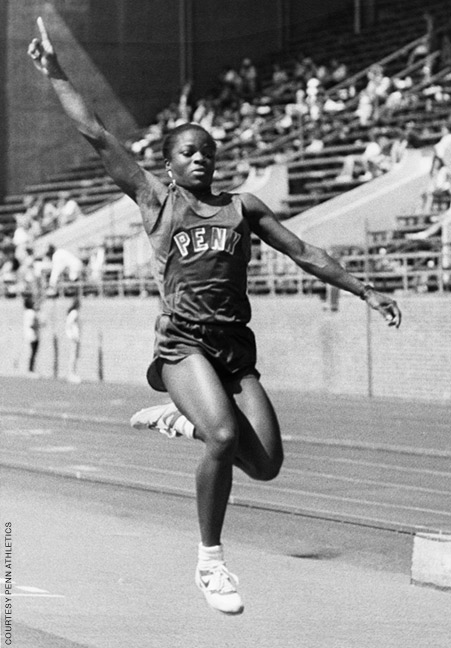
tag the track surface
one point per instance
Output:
(104, 530)
(375, 463)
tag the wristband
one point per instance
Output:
(366, 289)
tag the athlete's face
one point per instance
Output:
(192, 161)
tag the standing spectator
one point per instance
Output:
(22, 238)
(31, 331)
(73, 334)
(279, 81)
(249, 76)
(440, 173)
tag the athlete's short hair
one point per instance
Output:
(170, 139)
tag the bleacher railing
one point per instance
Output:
(274, 274)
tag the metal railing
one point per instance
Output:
(275, 274)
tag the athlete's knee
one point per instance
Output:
(222, 440)
(268, 473)
(269, 470)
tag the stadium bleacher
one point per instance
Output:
(312, 176)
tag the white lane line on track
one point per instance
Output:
(300, 471)
(316, 513)
(343, 443)
(369, 464)
(53, 449)
(28, 591)
(340, 498)
(16, 595)
(177, 473)
(30, 432)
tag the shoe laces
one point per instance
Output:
(221, 580)
(166, 424)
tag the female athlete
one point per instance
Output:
(204, 353)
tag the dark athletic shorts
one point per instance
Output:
(230, 348)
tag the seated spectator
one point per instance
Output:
(338, 71)
(63, 261)
(333, 105)
(49, 217)
(68, 209)
(380, 155)
(364, 111)
(313, 98)
(304, 68)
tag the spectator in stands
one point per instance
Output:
(380, 155)
(96, 264)
(249, 78)
(49, 217)
(377, 88)
(184, 107)
(338, 72)
(304, 69)
(397, 97)
(68, 209)
(22, 237)
(73, 334)
(30, 278)
(425, 49)
(440, 172)
(8, 272)
(313, 98)
(279, 81)
(63, 261)
(31, 332)
(205, 353)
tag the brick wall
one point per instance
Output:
(301, 346)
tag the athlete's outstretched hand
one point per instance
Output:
(43, 53)
(386, 306)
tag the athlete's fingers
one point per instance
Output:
(34, 49)
(44, 35)
(392, 314)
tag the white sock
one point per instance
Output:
(183, 426)
(209, 556)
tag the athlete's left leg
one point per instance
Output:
(260, 451)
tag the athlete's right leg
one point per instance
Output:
(198, 394)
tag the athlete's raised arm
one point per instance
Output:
(119, 164)
(314, 260)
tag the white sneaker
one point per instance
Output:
(164, 418)
(218, 585)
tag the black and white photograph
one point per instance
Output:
(225, 314)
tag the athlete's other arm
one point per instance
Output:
(312, 259)
(119, 164)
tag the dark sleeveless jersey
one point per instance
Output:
(200, 262)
